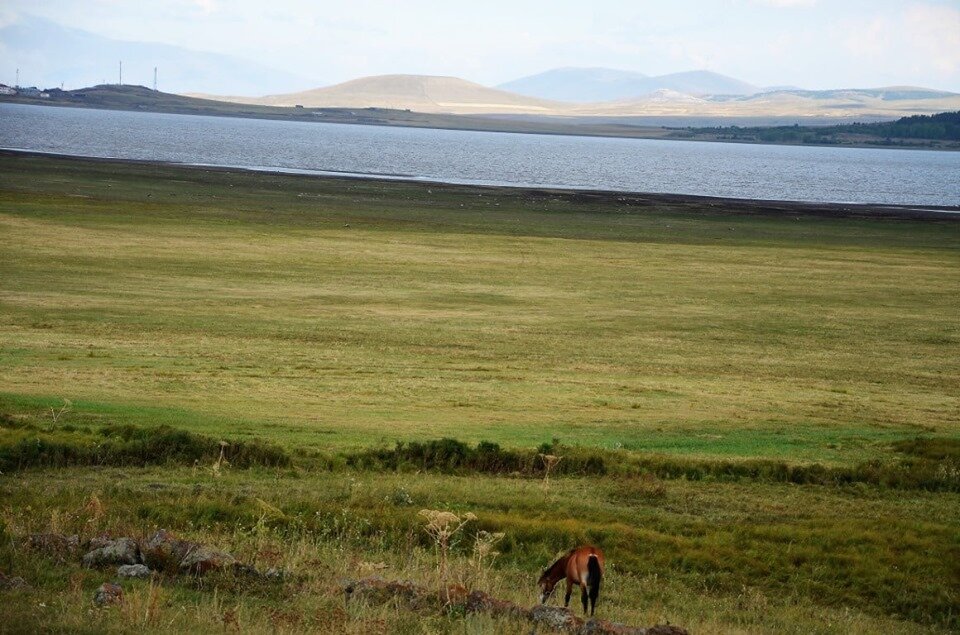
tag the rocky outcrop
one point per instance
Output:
(416, 597)
(161, 552)
(204, 559)
(164, 552)
(122, 551)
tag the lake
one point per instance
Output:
(797, 173)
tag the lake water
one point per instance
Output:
(854, 175)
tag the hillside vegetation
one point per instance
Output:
(942, 127)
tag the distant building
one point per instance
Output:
(31, 91)
(7, 90)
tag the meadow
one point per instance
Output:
(759, 413)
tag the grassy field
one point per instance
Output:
(331, 316)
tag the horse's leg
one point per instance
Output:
(566, 598)
(594, 594)
(583, 597)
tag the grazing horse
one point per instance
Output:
(582, 566)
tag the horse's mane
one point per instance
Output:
(559, 564)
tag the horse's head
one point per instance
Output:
(547, 583)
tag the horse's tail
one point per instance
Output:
(594, 575)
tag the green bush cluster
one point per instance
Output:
(127, 445)
(924, 463)
(911, 473)
(940, 127)
(932, 464)
(452, 456)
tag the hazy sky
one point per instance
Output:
(810, 43)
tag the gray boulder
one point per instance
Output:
(204, 559)
(134, 571)
(164, 552)
(114, 552)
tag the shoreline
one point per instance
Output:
(877, 211)
(392, 118)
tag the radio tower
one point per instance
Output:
(154, 79)
(121, 72)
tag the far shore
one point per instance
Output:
(140, 99)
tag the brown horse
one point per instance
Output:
(583, 567)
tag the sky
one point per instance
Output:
(815, 44)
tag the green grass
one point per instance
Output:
(713, 556)
(333, 318)
(245, 303)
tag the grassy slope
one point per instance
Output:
(714, 557)
(335, 314)
(344, 313)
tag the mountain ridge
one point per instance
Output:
(596, 84)
(451, 95)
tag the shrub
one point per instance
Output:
(132, 445)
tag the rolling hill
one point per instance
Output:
(421, 93)
(451, 95)
(579, 84)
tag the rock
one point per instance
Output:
(114, 552)
(163, 552)
(59, 546)
(205, 559)
(107, 594)
(134, 571)
(10, 582)
(98, 541)
(603, 627)
(555, 618)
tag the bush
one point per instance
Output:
(452, 456)
(122, 445)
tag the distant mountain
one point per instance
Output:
(580, 84)
(703, 83)
(48, 54)
(422, 93)
(888, 93)
(451, 95)
(585, 85)
(869, 103)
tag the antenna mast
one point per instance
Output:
(121, 72)
(154, 79)
(17, 84)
